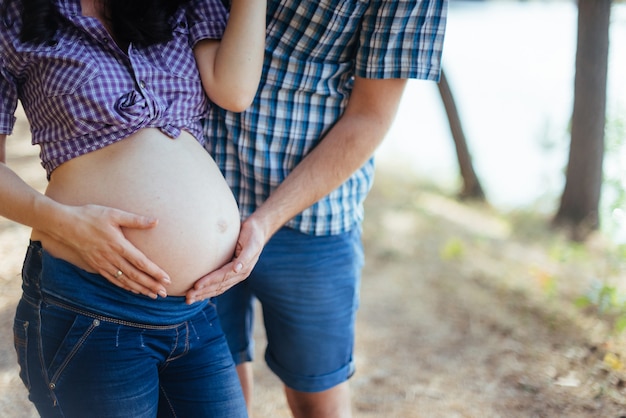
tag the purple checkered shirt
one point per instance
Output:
(81, 92)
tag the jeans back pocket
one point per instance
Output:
(20, 342)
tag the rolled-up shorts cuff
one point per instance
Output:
(244, 356)
(312, 383)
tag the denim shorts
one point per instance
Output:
(77, 362)
(308, 288)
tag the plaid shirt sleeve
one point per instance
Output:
(206, 19)
(402, 39)
(8, 100)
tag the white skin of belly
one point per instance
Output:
(176, 181)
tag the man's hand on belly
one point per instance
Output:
(249, 246)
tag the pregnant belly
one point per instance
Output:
(175, 181)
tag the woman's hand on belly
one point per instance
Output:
(94, 234)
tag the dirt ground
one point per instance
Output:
(464, 313)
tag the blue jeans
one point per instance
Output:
(308, 288)
(80, 363)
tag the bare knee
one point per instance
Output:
(244, 371)
(332, 403)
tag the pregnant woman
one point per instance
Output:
(114, 91)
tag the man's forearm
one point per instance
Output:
(345, 148)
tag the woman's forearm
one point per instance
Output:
(231, 68)
(94, 232)
(23, 204)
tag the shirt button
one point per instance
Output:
(142, 84)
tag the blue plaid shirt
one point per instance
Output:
(314, 50)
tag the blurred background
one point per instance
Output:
(511, 67)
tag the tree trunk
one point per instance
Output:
(580, 200)
(471, 185)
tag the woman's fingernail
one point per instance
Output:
(163, 293)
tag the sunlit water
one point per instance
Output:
(511, 69)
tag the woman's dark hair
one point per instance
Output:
(40, 20)
(142, 22)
